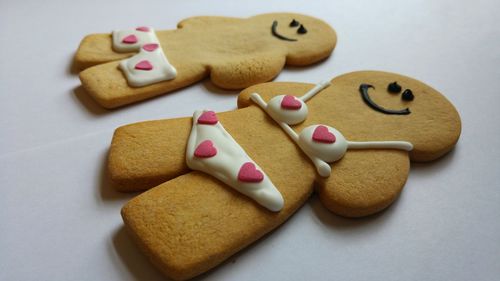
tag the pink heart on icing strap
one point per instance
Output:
(131, 39)
(205, 149)
(321, 134)
(249, 173)
(150, 47)
(208, 118)
(290, 102)
(144, 65)
(143, 28)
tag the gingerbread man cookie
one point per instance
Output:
(132, 65)
(225, 180)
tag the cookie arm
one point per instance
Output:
(364, 182)
(203, 21)
(241, 72)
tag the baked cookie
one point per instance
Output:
(223, 181)
(132, 65)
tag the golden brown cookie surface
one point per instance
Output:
(235, 53)
(192, 223)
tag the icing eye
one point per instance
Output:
(302, 29)
(294, 23)
(394, 87)
(407, 95)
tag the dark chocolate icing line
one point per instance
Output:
(276, 34)
(363, 89)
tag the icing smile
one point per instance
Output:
(363, 89)
(293, 23)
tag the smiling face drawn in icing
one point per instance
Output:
(300, 35)
(392, 88)
(294, 23)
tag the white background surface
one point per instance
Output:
(59, 220)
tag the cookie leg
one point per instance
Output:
(194, 222)
(96, 49)
(108, 86)
(145, 154)
(364, 182)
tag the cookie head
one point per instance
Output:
(305, 38)
(389, 106)
(293, 24)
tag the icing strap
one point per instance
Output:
(150, 65)
(321, 143)
(212, 150)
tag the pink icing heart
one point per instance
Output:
(321, 134)
(150, 47)
(248, 173)
(131, 39)
(205, 149)
(289, 102)
(144, 65)
(143, 28)
(208, 118)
